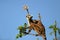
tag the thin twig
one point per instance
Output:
(39, 16)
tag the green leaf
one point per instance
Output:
(20, 27)
(55, 29)
(21, 35)
(51, 26)
(17, 36)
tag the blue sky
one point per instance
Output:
(12, 15)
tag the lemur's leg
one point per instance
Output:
(44, 36)
(41, 34)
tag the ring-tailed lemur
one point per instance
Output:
(37, 26)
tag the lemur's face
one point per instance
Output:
(29, 17)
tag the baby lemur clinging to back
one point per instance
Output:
(36, 25)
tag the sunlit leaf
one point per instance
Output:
(22, 30)
(55, 29)
(21, 35)
(20, 27)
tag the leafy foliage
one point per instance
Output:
(22, 30)
(55, 29)
(19, 35)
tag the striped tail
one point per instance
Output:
(44, 37)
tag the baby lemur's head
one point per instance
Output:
(28, 16)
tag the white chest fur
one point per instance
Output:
(28, 22)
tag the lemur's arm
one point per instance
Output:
(29, 30)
